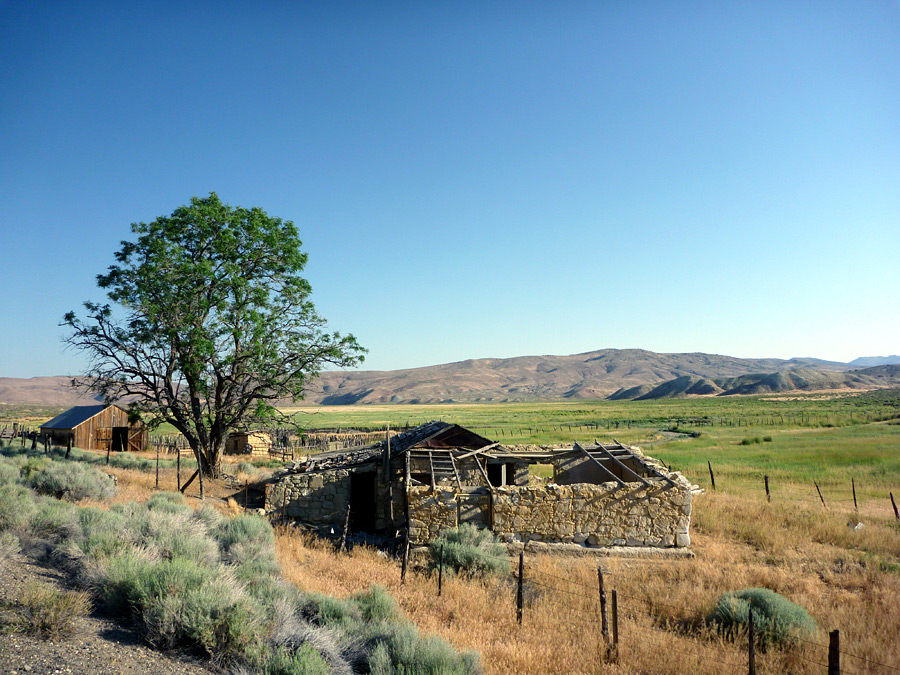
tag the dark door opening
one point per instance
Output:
(496, 474)
(119, 439)
(363, 507)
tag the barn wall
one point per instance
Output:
(91, 434)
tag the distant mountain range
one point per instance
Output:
(869, 361)
(612, 373)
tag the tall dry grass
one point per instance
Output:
(847, 579)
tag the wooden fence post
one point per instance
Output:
(751, 655)
(68, 445)
(768, 494)
(604, 618)
(157, 467)
(853, 485)
(712, 478)
(820, 495)
(615, 625)
(894, 504)
(405, 560)
(520, 593)
(177, 465)
(834, 652)
(441, 571)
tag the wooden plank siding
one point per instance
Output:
(96, 433)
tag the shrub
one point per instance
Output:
(405, 651)
(48, 612)
(55, 520)
(767, 439)
(73, 482)
(304, 660)
(9, 545)
(775, 617)
(9, 472)
(470, 550)
(16, 507)
(214, 616)
(376, 604)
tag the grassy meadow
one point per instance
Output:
(841, 564)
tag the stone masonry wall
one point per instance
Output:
(430, 513)
(318, 498)
(582, 514)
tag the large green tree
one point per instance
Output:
(209, 323)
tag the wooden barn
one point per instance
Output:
(96, 427)
(248, 443)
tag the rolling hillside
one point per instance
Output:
(799, 379)
(618, 373)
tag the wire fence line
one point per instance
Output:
(632, 614)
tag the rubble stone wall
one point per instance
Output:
(584, 514)
(590, 515)
(317, 498)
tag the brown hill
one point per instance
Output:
(48, 391)
(591, 375)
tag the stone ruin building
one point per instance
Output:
(439, 475)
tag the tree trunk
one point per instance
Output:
(212, 460)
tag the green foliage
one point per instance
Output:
(72, 481)
(376, 604)
(470, 550)
(9, 545)
(17, 506)
(215, 290)
(304, 660)
(775, 618)
(9, 472)
(400, 650)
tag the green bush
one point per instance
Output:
(9, 545)
(17, 506)
(9, 472)
(775, 617)
(55, 520)
(72, 481)
(215, 616)
(767, 439)
(400, 649)
(376, 604)
(304, 660)
(469, 550)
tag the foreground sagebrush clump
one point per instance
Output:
(200, 581)
(469, 550)
(775, 618)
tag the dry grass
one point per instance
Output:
(847, 579)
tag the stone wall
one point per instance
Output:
(317, 498)
(430, 513)
(590, 515)
(584, 514)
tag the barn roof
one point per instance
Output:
(74, 416)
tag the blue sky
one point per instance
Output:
(475, 179)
